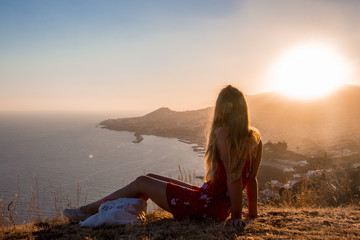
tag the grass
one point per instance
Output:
(12, 209)
(274, 223)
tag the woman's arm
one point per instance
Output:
(235, 193)
(234, 188)
(252, 184)
(252, 194)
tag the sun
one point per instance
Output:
(309, 71)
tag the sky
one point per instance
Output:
(139, 55)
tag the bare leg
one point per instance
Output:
(167, 179)
(143, 187)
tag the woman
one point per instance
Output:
(232, 160)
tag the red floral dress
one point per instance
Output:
(210, 200)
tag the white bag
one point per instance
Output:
(117, 212)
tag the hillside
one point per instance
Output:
(306, 126)
(309, 125)
(188, 125)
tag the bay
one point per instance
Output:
(48, 160)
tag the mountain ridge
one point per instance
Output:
(303, 124)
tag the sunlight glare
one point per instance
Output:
(309, 71)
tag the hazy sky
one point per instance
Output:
(86, 55)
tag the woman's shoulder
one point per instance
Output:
(254, 135)
(254, 139)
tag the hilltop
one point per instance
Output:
(273, 223)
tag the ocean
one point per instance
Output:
(49, 160)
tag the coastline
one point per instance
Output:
(196, 145)
(138, 138)
(188, 127)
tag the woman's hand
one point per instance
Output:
(237, 222)
(247, 215)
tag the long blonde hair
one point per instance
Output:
(231, 111)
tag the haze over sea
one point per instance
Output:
(68, 150)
